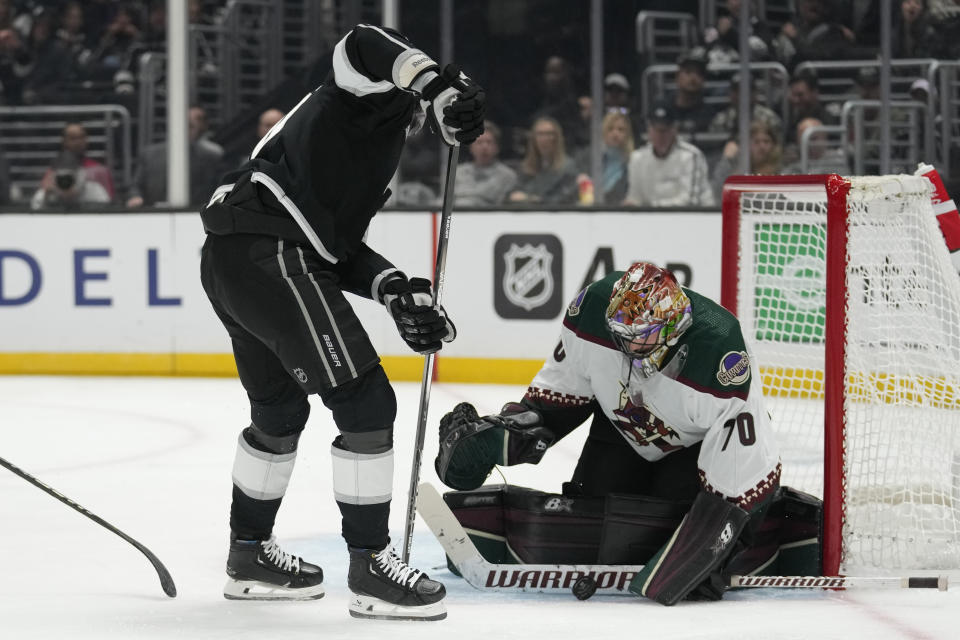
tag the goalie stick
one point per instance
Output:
(544, 578)
(609, 579)
(166, 580)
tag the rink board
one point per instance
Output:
(120, 293)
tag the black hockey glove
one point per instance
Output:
(410, 303)
(470, 445)
(454, 105)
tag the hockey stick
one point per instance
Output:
(480, 574)
(438, 282)
(609, 579)
(839, 582)
(166, 581)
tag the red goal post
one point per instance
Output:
(829, 275)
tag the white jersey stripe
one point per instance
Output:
(333, 321)
(291, 207)
(306, 314)
(349, 79)
(375, 287)
(275, 129)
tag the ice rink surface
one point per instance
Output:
(153, 457)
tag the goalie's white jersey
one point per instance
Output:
(707, 389)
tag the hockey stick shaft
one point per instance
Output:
(166, 581)
(840, 582)
(427, 381)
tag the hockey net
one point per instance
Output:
(846, 292)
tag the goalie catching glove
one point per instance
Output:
(470, 445)
(454, 105)
(423, 326)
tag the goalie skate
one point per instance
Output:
(386, 588)
(260, 570)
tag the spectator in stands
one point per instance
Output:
(913, 33)
(15, 64)
(155, 34)
(803, 96)
(821, 156)
(67, 185)
(692, 113)
(236, 159)
(559, 101)
(616, 93)
(119, 42)
(728, 120)
(547, 174)
(51, 64)
(74, 141)
(766, 151)
(945, 17)
(722, 40)
(71, 34)
(617, 146)
(486, 181)
(150, 181)
(667, 171)
(813, 34)
(419, 171)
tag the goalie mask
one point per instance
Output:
(648, 312)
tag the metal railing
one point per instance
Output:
(943, 113)
(33, 137)
(234, 62)
(659, 80)
(823, 149)
(775, 12)
(663, 35)
(837, 79)
(861, 120)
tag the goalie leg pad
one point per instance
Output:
(698, 549)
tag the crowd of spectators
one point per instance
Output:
(677, 153)
(688, 142)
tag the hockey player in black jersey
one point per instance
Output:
(284, 242)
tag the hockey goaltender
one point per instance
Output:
(680, 471)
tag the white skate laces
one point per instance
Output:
(396, 569)
(279, 557)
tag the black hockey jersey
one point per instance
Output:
(328, 162)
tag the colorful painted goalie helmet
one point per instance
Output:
(647, 310)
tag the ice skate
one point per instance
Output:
(385, 588)
(261, 570)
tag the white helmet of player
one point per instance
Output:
(648, 312)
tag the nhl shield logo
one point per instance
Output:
(528, 276)
(527, 279)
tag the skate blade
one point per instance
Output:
(376, 609)
(254, 590)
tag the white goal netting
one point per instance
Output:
(901, 355)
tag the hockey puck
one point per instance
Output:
(584, 587)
